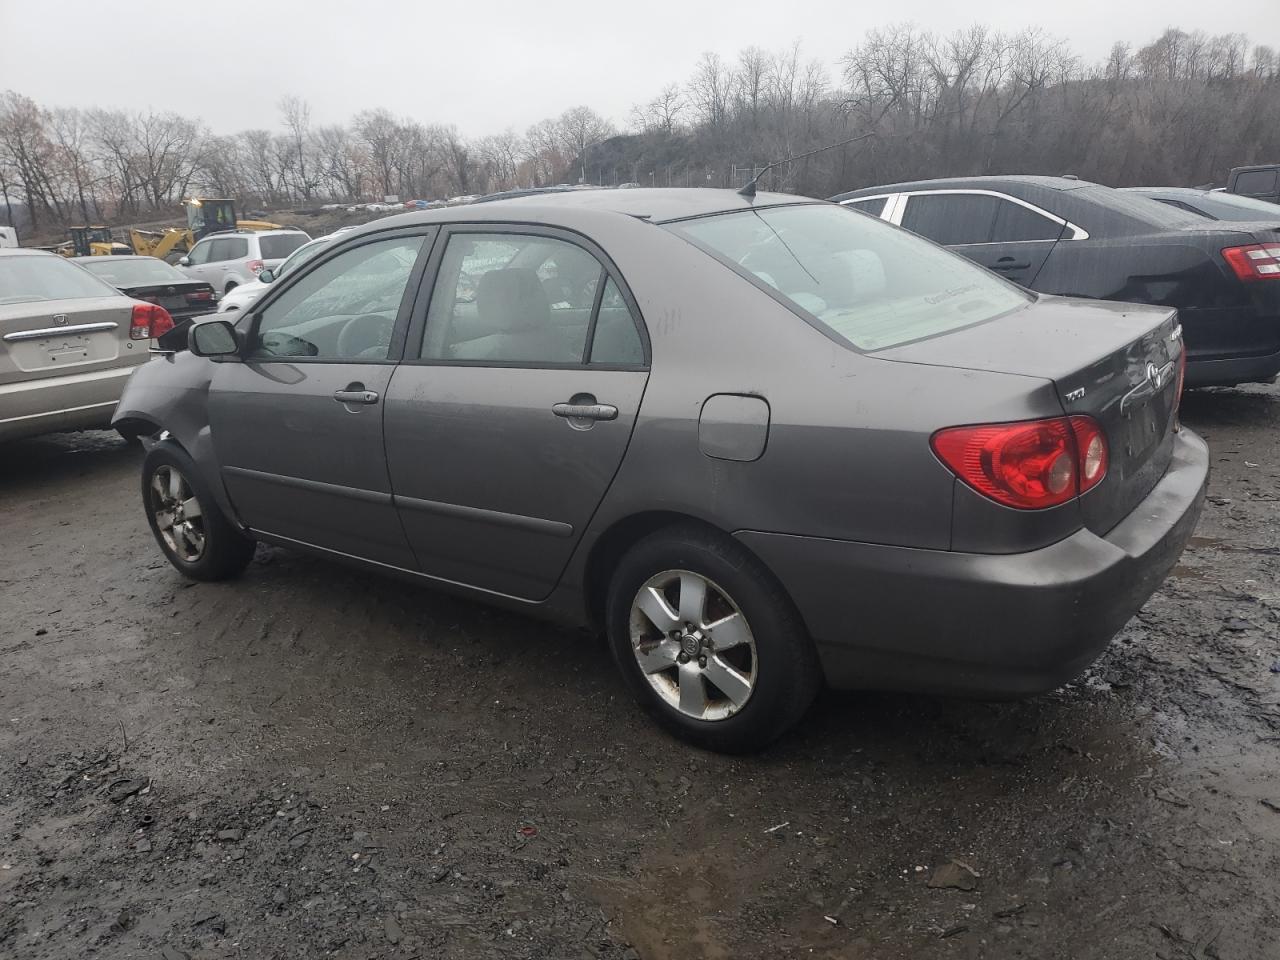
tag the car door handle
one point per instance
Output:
(355, 396)
(1008, 263)
(585, 411)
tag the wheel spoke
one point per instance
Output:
(158, 486)
(164, 519)
(175, 485)
(693, 598)
(693, 693)
(658, 656)
(728, 680)
(191, 508)
(654, 606)
(729, 632)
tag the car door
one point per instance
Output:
(511, 413)
(1000, 232)
(197, 261)
(297, 423)
(226, 257)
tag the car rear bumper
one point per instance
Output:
(73, 401)
(985, 624)
(1228, 372)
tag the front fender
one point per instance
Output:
(170, 394)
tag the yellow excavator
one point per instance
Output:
(90, 241)
(204, 216)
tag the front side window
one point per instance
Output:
(200, 252)
(344, 309)
(868, 283)
(873, 207)
(511, 298)
(1018, 224)
(951, 219)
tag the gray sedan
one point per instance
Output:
(760, 443)
(68, 342)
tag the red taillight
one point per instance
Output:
(1031, 464)
(200, 295)
(1258, 261)
(149, 321)
(255, 266)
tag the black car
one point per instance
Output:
(1212, 204)
(153, 280)
(1059, 235)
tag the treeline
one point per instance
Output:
(1180, 110)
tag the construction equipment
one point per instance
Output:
(92, 241)
(204, 216)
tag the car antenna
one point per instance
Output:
(749, 191)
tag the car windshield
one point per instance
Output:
(277, 246)
(26, 279)
(871, 284)
(135, 273)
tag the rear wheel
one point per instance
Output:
(186, 521)
(708, 641)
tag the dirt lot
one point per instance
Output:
(313, 762)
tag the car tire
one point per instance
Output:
(203, 546)
(749, 664)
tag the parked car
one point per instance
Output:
(68, 342)
(226, 260)
(1261, 181)
(1213, 204)
(247, 293)
(760, 442)
(1064, 236)
(153, 280)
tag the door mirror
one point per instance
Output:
(184, 261)
(265, 275)
(213, 338)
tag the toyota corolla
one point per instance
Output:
(761, 443)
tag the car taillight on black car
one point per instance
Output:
(149, 320)
(1030, 464)
(199, 296)
(1257, 261)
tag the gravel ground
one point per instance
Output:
(314, 762)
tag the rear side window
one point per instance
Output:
(869, 284)
(27, 279)
(519, 299)
(951, 218)
(873, 207)
(228, 248)
(616, 340)
(1016, 223)
(1256, 182)
(277, 246)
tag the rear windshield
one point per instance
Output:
(1227, 206)
(135, 273)
(26, 279)
(1138, 207)
(872, 285)
(277, 246)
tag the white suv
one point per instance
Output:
(229, 259)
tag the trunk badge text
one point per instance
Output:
(1073, 395)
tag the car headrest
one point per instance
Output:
(512, 300)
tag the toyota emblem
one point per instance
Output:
(1153, 376)
(59, 319)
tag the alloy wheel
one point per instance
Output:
(178, 514)
(693, 644)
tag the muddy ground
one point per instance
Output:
(314, 762)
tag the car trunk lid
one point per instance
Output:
(50, 338)
(179, 299)
(1115, 362)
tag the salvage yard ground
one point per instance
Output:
(314, 762)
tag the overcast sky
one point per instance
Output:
(483, 65)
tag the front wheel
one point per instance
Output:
(709, 642)
(186, 521)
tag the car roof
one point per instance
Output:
(579, 208)
(972, 183)
(118, 256)
(1171, 191)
